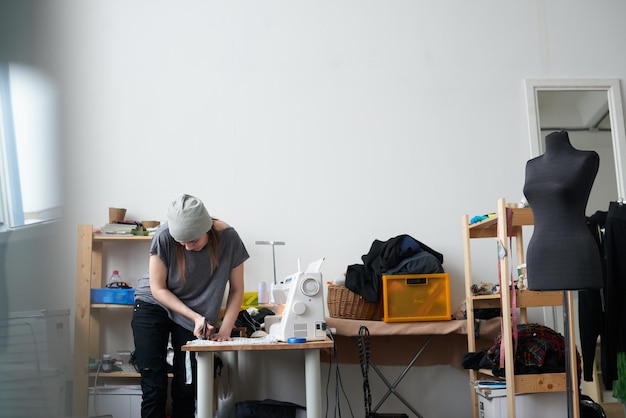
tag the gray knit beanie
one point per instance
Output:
(188, 219)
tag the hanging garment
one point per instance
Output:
(590, 305)
(619, 386)
(614, 337)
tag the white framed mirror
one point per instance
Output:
(591, 111)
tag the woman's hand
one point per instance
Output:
(202, 329)
(222, 335)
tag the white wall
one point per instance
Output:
(323, 124)
(326, 125)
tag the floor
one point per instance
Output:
(614, 410)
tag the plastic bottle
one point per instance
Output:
(107, 363)
(115, 280)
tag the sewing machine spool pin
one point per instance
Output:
(273, 244)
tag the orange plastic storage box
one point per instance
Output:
(416, 297)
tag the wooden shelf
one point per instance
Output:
(524, 299)
(90, 318)
(488, 228)
(496, 226)
(118, 237)
(113, 375)
(119, 375)
(538, 383)
(531, 383)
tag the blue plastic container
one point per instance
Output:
(113, 296)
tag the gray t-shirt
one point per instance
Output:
(201, 291)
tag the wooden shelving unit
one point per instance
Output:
(91, 251)
(498, 227)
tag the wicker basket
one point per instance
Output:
(343, 303)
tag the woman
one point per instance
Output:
(192, 259)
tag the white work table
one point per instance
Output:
(206, 351)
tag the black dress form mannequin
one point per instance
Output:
(562, 253)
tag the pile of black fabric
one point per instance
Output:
(399, 255)
(540, 349)
(253, 322)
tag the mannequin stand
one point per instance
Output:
(571, 365)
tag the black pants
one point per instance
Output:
(614, 338)
(152, 329)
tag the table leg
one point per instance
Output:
(313, 383)
(227, 383)
(205, 384)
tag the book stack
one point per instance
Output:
(490, 388)
(118, 229)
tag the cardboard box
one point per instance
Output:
(416, 297)
(492, 404)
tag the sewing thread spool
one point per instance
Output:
(107, 363)
(263, 294)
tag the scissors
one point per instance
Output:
(204, 328)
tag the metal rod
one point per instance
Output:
(274, 263)
(273, 244)
(568, 368)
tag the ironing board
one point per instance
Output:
(424, 335)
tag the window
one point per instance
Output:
(29, 149)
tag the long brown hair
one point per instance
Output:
(215, 238)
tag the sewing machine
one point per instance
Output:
(302, 318)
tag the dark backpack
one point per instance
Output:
(590, 409)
